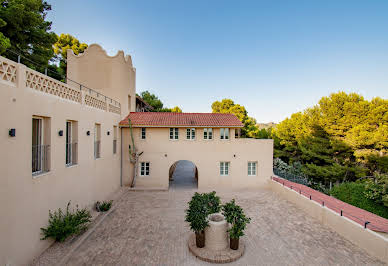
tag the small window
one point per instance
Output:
(40, 145)
(224, 168)
(190, 133)
(252, 168)
(143, 133)
(114, 139)
(224, 133)
(174, 133)
(71, 143)
(144, 168)
(207, 133)
(97, 142)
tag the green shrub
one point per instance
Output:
(354, 194)
(200, 206)
(62, 225)
(235, 215)
(196, 213)
(212, 201)
(103, 206)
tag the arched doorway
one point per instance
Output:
(183, 174)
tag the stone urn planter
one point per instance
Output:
(216, 232)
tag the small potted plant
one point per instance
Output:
(235, 216)
(212, 202)
(196, 216)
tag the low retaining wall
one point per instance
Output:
(372, 242)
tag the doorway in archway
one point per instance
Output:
(183, 174)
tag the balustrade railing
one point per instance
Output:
(70, 89)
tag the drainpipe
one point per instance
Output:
(121, 157)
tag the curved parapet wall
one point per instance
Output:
(96, 47)
(113, 76)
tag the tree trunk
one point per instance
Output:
(234, 242)
(200, 239)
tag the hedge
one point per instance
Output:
(353, 193)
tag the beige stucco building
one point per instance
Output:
(64, 142)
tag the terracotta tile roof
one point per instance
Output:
(161, 119)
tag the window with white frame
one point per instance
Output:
(190, 133)
(224, 133)
(207, 133)
(144, 169)
(143, 133)
(252, 166)
(174, 133)
(97, 141)
(40, 145)
(71, 143)
(224, 168)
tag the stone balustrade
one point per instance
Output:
(13, 73)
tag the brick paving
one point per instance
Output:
(360, 216)
(148, 228)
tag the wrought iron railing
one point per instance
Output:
(97, 149)
(292, 177)
(114, 146)
(40, 159)
(71, 153)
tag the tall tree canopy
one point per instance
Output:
(64, 43)
(342, 138)
(157, 104)
(227, 106)
(23, 23)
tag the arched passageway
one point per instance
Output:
(183, 174)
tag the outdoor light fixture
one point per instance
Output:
(165, 155)
(88, 133)
(60, 133)
(12, 132)
(234, 155)
(108, 133)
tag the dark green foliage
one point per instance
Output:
(196, 213)
(26, 28)
(62, 225)
(212, 201)
(103, 206)
(354, 194)
(200, 206)
(235, 215)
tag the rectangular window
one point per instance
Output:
(40, 145)
(224, 168)
(190, 133)
(143, 133)
(71, 143)
(252, 168)
(224, 133)
(207, 133)
(144, 168)
(114, 139)
(174, 133)
(97, 141)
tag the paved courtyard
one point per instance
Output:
(148, 228)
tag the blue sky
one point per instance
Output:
(273, 57)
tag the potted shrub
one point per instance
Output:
(235, 216)
(196, 216)
(212, 202)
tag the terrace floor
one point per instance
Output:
(148, 228)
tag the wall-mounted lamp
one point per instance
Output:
(234, 155)
(12, 132)
(88, 133)
(60, 133)
(108, 133)
(165, 155)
